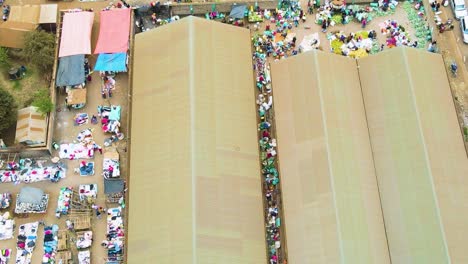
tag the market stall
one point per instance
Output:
(33, 174)
(110, 118)
(76, 31)
(84, 257)
(114, 31)
(5, 200)
(114, 190)
(88, 192)
(116, 62)
(354, 45)
(71, 71)
(8, 176)
(76, 96)
(309, 42)
(76, 151)
(50, 244)
(115, 235)
(27, 235)
(50, 173)
(81, 119)
(84, 239)
(86, 168)
(5, 255)
(396, 34)
(84, 149)
(31, 200)
(64, 201)
(111, 164)
(7, 226)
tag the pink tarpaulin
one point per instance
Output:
(76, 33)
(114, 31)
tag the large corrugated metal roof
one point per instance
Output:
(419, 155)
(194, 144)
(336, 120)
(330, 194)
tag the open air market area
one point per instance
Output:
(252, 131)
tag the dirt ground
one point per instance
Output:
(65, 132)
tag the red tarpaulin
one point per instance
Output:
(76, 33)
(114, 31)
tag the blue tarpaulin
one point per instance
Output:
(116, 62)
(238, 11)
(70, 70)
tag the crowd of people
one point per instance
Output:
(355, 45)
(272, 43)
(397, 34)
(277, 43)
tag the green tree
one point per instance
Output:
(39, 49)
(7, 109)
(4, 58)
(43, 102)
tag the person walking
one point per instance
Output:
(324, 26)
(310, 8)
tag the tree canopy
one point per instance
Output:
(42, 101)
(4, 58)
(39, 49)
(7, 109)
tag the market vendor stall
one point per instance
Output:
(71, 70)
(84, 149)
(50, 244)
(51, 173)
(5, 255)
(5, 200)
(84, 239)
(34, 174)
(354, 45)
(110, 118)
(86, 168)
(76, 97)
(116, 62)
(114, 190)
(81, 119)
(8, 176)
(76, 151)
(115, 234)
(12, 165)
(396, 34)
(31, 200)
(254, 16)
(88, 192)
(111, 165)
(27, 235)
(64, 200)
(7, 226)
(84, 257)
(309, 42)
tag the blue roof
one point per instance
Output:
(116, 62)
